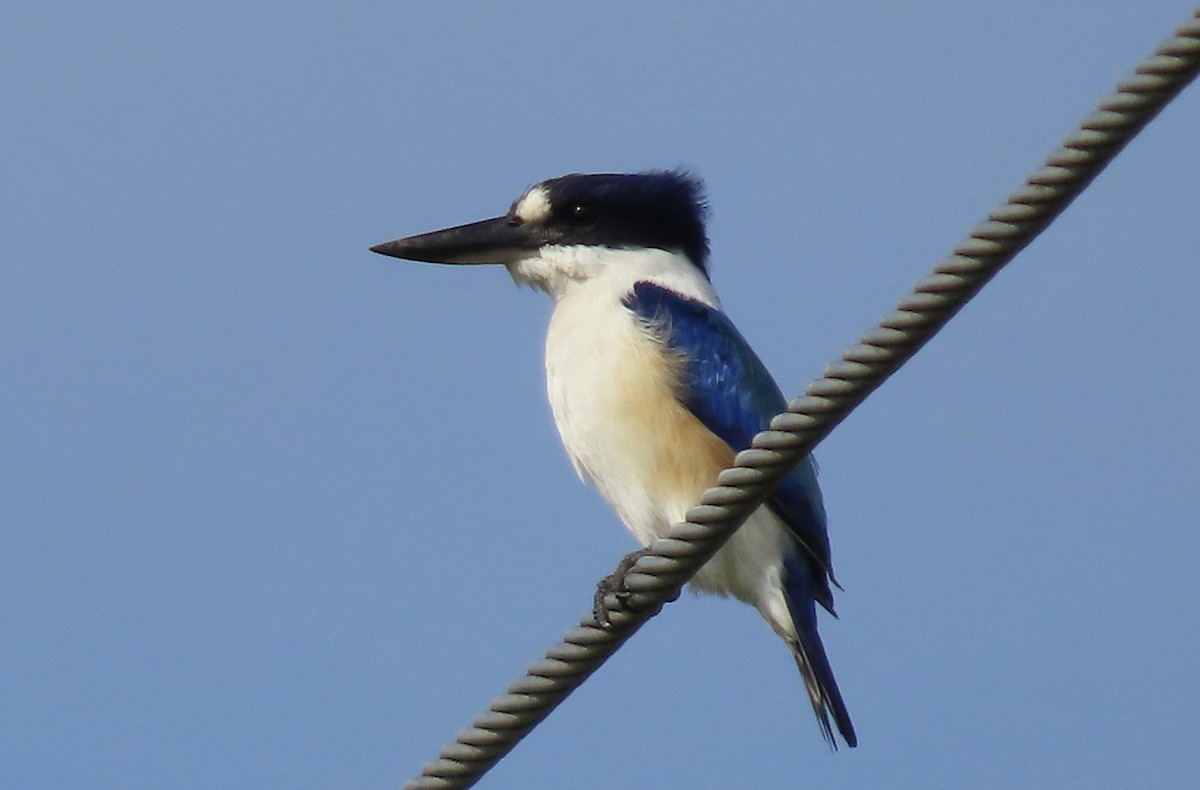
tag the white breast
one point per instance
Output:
(611, 387)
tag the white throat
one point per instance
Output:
(560, 270)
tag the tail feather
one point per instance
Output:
(823, 692)
(810, 655)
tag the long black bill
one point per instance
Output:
(494, 240)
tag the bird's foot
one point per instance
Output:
(614, 583)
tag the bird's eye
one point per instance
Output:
(580, 214)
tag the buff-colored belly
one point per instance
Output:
(615, 404)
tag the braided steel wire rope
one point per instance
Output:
(658, 576)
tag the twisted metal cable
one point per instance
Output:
(657, 577)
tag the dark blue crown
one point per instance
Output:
(664, 209)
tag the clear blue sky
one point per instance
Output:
(279, 513)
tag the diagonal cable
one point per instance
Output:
(657, 577)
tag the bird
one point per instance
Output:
(653, 389)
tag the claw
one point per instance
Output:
(614, 583)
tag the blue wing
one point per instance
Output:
(729, 390)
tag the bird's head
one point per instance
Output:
(571, 228)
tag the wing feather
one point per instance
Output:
(727, 387)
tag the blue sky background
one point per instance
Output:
(279, 513)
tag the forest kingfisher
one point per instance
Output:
(652, 387)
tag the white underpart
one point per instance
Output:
(612, 388)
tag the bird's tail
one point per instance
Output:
(810, 657)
